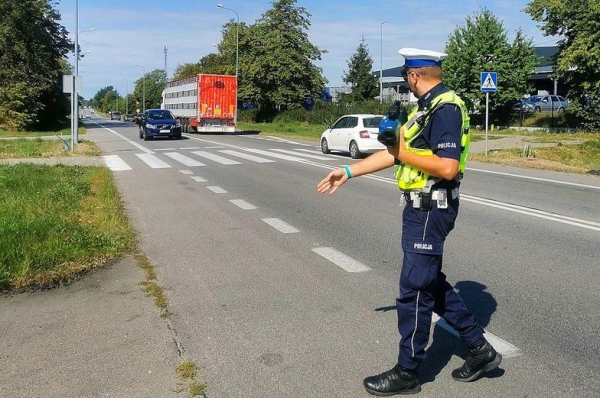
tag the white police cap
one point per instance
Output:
(416, 58)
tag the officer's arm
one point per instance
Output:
(377, 161)
(433, 165)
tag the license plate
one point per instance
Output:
(165, 130)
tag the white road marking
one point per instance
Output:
(534, 212)
(165, 149)
(215, 158)
(189, 147)
(318, 157)
(275, 155)
(242, 204)
(535, 178)
(115, 163)
(186, 172)
(216, 189)
(341, 260)
(550, 216)
(289, 141)
(198, 179)
(152, 161)
(135, 144)
(187, 161)
(246, 156)
(503, 347)
(280, 225)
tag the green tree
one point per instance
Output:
(360, 75)
(277, 67)
(482, 45)
(578, 58)
(187, 69)
(33, 46)
(155, 82)
(211, 63)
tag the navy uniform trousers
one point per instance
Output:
(423, 285)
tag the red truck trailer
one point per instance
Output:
(203, 103)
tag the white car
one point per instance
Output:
(356, 134)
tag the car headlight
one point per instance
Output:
(150, 126)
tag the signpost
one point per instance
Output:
(489, 84)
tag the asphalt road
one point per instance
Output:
(278, 291)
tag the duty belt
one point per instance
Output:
(424, 200)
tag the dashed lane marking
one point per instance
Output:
(281, 226)
(242, 204)
(341, 260)
(503, 347)
(216, 189)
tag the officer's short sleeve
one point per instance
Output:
(446, 125)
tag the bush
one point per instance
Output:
(547, 120)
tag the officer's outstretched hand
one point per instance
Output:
(333, 181)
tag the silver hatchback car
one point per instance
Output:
(541, 103)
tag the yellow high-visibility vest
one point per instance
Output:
(410, 178)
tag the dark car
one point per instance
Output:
(159, 123)
(129, 117)
(541, 103)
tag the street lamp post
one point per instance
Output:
(143, 88)
(381, 62)
(126, 96)
(75, 95)
(237, 56)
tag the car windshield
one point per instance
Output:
(372, 121)
(160, 115)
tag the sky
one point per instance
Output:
(129, 32)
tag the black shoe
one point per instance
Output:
(482, 358)
(395, 381)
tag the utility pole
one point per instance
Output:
(381, 62)
(166, 75)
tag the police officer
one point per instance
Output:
(429, 152)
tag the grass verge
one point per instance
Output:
(65, 133)
(43, 148)
(581, 157)
(58, 222)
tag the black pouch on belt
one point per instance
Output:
(425, 201)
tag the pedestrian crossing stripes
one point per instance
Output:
(115, 163)
(163, 160)
(152, 161)
(215, 158)
(184, 159)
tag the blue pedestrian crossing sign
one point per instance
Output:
(489, 82)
